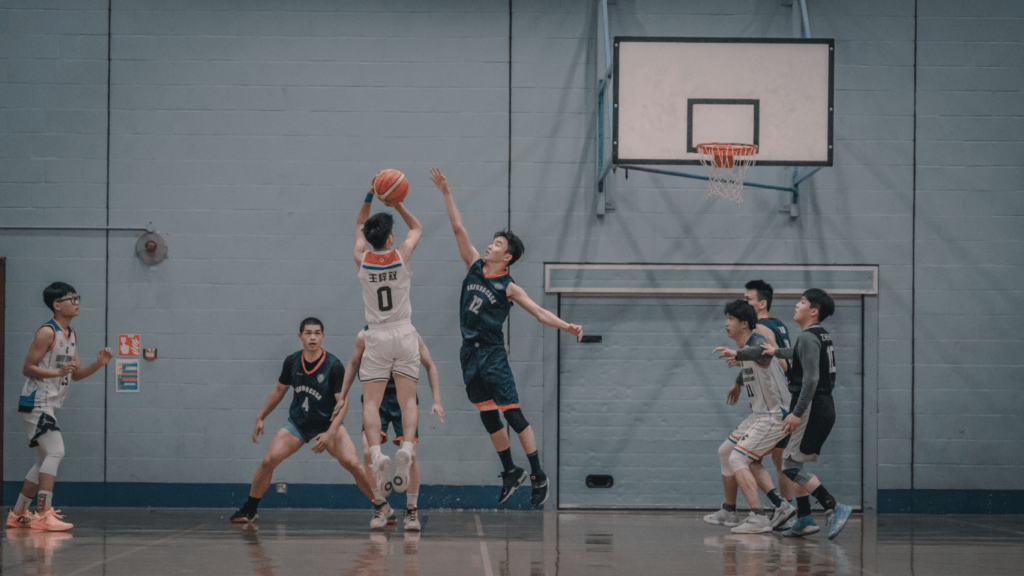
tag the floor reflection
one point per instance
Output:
(114, 542)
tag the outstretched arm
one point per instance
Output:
(361, 218)
(466, 249)
(518, 295)
(275, 397)
(413, 237)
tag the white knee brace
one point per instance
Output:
(738, 461)
(723, 456)
(51, 451)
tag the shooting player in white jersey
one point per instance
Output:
(758, 434)
(51, 363)
(392, 344)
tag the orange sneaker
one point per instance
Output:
(50, 521)
(20, 520)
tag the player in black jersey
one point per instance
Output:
(316, 377)
(487, 296)
(812, 412)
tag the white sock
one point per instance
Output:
(45, 499)
(374, 453)
(406, 445)
(410, 499)
(23, 503)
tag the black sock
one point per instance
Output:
(535, 464)
(251, 504)
(729, 507)
(803, 506)
(758, 511)
(824, 498)
(773, 495)
(506, 459)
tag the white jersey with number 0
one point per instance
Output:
(386, 280)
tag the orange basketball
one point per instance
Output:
(390, 186)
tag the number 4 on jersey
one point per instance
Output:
(305, 404)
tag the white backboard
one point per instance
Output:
(674, 93)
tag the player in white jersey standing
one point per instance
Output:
(392, 344)
(757, 435)
(51, 363)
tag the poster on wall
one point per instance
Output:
(128, 345)
(127, 374)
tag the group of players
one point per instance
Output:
(791, 414)
(387, 357)
(789, 388)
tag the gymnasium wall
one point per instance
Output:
(248, 132)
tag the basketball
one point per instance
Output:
(390, 186)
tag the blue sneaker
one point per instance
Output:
(837, 520)
(804, 526)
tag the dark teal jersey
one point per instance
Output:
(484, 305)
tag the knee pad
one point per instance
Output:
(491, 420)
(33, 474)
(794, 471)
(724, 451)
(516, 420)
(738, 461)
(51, 449)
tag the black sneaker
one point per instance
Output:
(244, 515)
(540, 490)
(511, 480)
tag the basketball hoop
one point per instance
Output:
(727, 165)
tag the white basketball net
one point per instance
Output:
(727, 165)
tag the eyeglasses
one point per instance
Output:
(72, 299)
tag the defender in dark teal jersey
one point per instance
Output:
(759, 294)
(316, 377)
(488, 293)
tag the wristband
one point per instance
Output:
(369, 197)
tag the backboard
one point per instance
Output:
(671, 94)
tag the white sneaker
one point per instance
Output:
(783, 514)
(381, 514)
(381, 468)
(723, 517)
(403, 462)
(754, 524)
(412, 520)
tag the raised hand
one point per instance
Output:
(439, 180)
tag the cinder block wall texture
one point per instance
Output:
(247, 133)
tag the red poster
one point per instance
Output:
(128, 345)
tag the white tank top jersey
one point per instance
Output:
(386, 281)
(48, 394)
(766, 385)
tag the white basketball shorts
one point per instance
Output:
(758, 435)
(390, 348)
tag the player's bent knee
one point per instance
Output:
(516, 420)
(491, 420)
(33, 474)
(724, 451)
(738, 461)
(794, 471)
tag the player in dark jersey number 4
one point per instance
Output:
(316, 377)
(488, 292)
